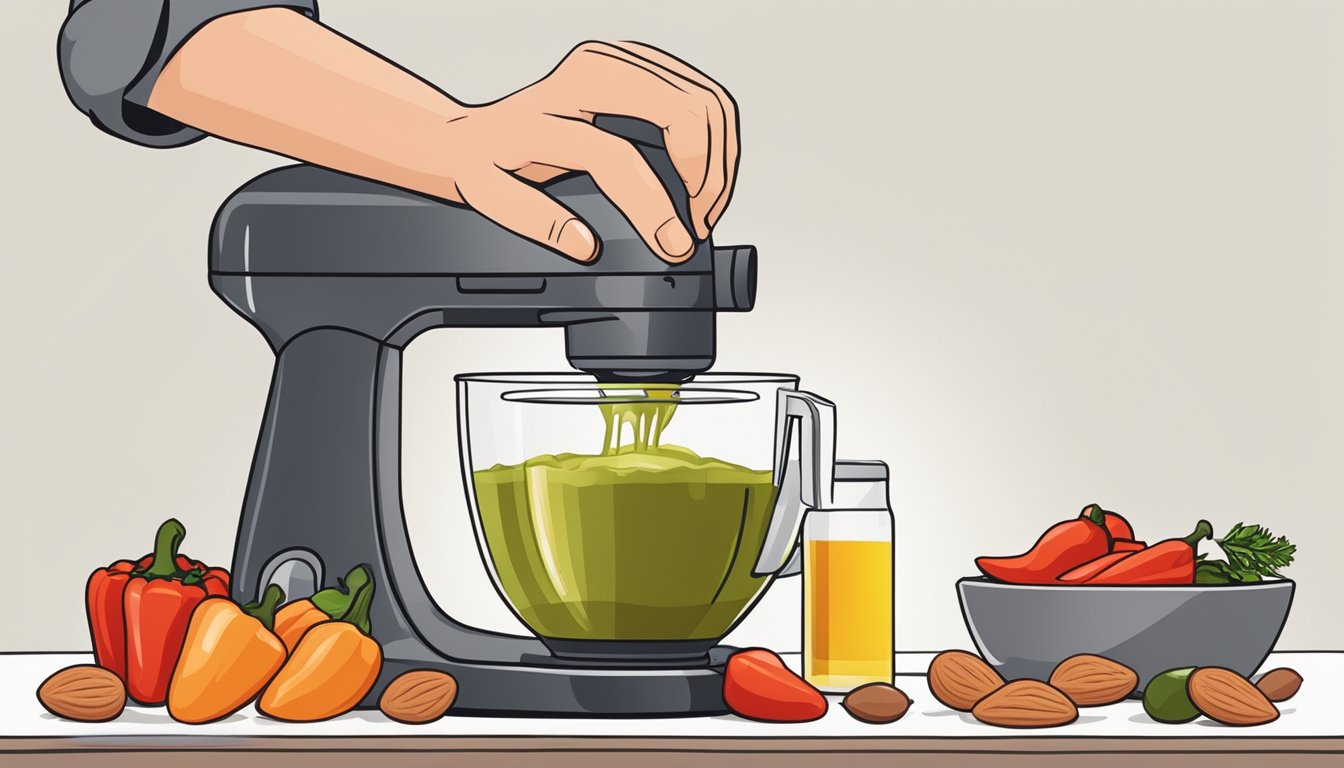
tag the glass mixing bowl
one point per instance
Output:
(618, 521)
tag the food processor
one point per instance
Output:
(627, 585)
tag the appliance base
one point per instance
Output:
(642, 653)
(523, 690)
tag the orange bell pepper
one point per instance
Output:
(295, 619)
(229, 655)
(333, 667)
(302, 615)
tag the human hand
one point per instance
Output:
(274, 79)
(546, 129)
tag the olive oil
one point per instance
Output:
(847, 611)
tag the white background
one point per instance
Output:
(1041, 254)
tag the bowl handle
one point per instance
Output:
(809, 484)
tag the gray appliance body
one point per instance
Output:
(339, 274)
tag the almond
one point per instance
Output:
(1092, 681)
(877, 703)
(84, 692)
(959, 679)
(1223, 695)
(1279, 684)
(1026, 704)
(418, 696)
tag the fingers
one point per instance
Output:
(523, 209)
(713, 199)
(623, 176)
(691, 114)
(700, 130)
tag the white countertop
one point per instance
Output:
(1316, 712)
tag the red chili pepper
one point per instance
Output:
(1093, 567)
(1127, 545)
(1166, 562)
(757, 685)
(138, 612)
(1116, 524)
(1062, 548)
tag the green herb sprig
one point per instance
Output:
(1252, 553)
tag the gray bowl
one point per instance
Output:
(1024, 631)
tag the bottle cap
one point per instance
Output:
(860, 484)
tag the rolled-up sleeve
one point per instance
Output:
(112, 51)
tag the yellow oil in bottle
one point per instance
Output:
(847, 613)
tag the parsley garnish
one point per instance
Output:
(1252, 553)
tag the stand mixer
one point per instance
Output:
(340, 274)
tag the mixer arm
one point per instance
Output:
(303, 248)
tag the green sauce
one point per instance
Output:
(641, 541)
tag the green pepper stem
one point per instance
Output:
(1204, 530)
(335, 601)
(166, 542)
(357, 578)
(358, 613)
(1096, 514)
(264, 611)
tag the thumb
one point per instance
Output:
(524, 209)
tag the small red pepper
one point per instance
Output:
(138, 612)
(757, 685)
(1127, 545)
(1116, 524)
(1093, 567)
(1060, 549)
(1166, 562)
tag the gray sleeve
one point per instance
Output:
(112, 51)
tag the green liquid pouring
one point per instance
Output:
(641, 541)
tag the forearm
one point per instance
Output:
(276, 80)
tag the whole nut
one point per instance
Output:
(1026, 704)
(1223, 695)
(877, 703)
(1166, 697)
(418, 696)
(1279, 684)
(1092, 681)
(85, 692)
(959, 679)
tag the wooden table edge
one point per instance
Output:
(523, 744)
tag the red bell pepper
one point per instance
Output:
(103, 595)
(138, 612)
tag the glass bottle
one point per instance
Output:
(847, 582)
